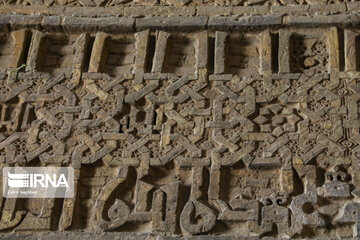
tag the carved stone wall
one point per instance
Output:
(199, 122)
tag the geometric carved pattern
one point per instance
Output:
(192, 133)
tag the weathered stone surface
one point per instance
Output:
(96, 24)
(172, 23)
(235, 23)
(183, 119)
(159, 11)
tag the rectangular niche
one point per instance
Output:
(119, 55)
(13, 49)
(180, 55)
(242, 54)
(6, 49)
(308, 52)
(56, 53)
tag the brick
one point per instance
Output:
(20, 21)
(172, 23)
(232, 23)
(140, 11)
(110, 24)
(316, 21)
(51, 23)
(353, 6)
(92, 12)
(210, 11)
(288, 10)
(327, 9)
(251, 10)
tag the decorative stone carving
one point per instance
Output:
(184, 125)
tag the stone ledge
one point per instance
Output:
(109, 24)
(209, 11)
(159, 11)
(339, 20)
(234, 23)
(113, 236)
(173, 23)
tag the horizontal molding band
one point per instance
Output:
(173, 23)
(114, 235)
(209, 11)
